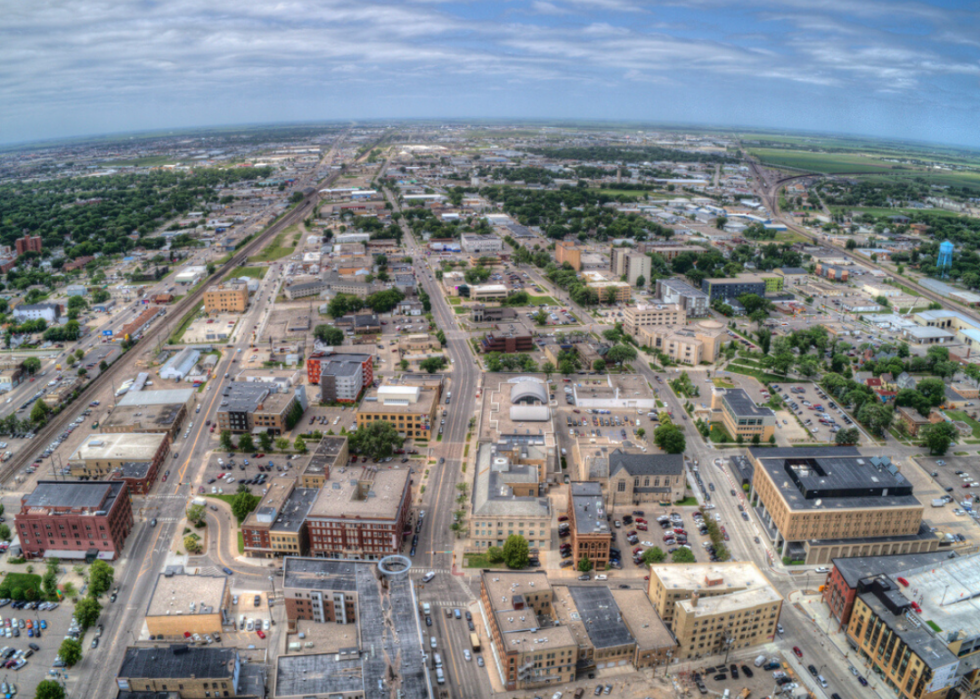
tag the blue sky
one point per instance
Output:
(890, 68)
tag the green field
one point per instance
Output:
(790, 237)
(149, 161)
(253, 272)
(546, 300)
(820, 162)
(275, 249)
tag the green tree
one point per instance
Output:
(100, 577)
(70, 652)
(82, 372)
(265, 441)
(4, 532)
(32, 365)
(432, 364)
(599, 365)
(329, 335)
(242, 504)
(495, 554)
(620, 353)
(566, 367)
(654, 555)
(403, 364)
(49, 583)
(938, 437)
(195, 514)
(584, 564)
(682, 555)
(39, 413)
(103, 365)
(282, 444)
(670, 438)
(226, 442)
(300, 445)
(377, 440)
(516, 551)
(641, 433)
(640, 281)
(193, 544)
(245, 443)
(49, 689)
(69, 590)
(87, 612)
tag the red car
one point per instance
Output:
(260, 632)
(641, 520)
(641, 527)
(799, 653)
(259, 456)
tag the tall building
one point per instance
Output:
(570, 253)
(29, 243)
(631, 264)
(341, 376)
(644, 315)
(733, 288)
(674, 290)
(591, 536)
(248, 406)
(506, 501)
(229, 297)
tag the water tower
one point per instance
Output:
(945, 260)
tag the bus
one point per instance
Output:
(475, 641)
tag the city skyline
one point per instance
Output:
(892, 70)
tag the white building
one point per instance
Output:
(49, 312)
(481, 243)
(180, 365)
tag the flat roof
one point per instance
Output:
(853, 569)
(721, 576)
(743, 406)
(173, 596)
(155, 415)
(491, 495)
(163, 397)
(722, 604)
(119, 446)
(949, 593)
(590, 514)
(642, 620)
(74, 495)
(326, 454)
(361, 492)
(312, 574)
(422, 406)
(293, 512)
(178, 662)
(243, 396)
(920, 639)
(323, 673)
(603, 620)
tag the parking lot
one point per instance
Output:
(740, 672)
(804, 399)
(656, 533)
(952, 518)
(226, 471)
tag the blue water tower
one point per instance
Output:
(945, 260)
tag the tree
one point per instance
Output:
(938, 437)
(300, 445)
(39, 413)
(670, 438)
(245, 443)
(226, 442)
(640, 281)
(70, 652)
(49, 582)
(70, 360)
(654, 555)
(100, 577)
(566, 367)
(541, 318)
(49, 689)
(516, 551)
(87, 612)
(69, 590)
(195, 514)
(377, 440)
(432, 364)
(641, 433)
(495, 554)
(599, 365)
(243, 503)
(83, 372)
(103, 365)
(620, 353)
(32, 365)
(403, 364)
(682, 555)
(193, 544)
(584, 564)
(847, 436)
(265, 441)
(329, 335)
(4, 532)
(282, 444)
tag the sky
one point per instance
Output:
(889, 68)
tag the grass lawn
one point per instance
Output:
(275, 250)
(721, 383)
(480, 560)
(687, 502)
(790, 237)
(460, 310)
(185, 323)
(241, 542)
(546, 300)
(719, 434)
(253, 272)
(455, 301)
(760, 375)
(960, 416)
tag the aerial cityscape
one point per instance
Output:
(536, 397)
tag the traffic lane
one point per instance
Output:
(457, 640)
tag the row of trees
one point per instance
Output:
(246, 443)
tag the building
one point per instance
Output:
(132, 457)
(182, 604)
(193, 672)
(313, 287)
(691, 344)
(360, 515)
(714, 608)
(507, 344)
(821, 503)
(481, 243)
(633, 265)
(492, 314)
(142, 321)
(338, 284)
(29, 243)
(621, 290)
(741, 416)
(733, 288)
(276, 527)
(840, 590)
(507, 500)
(488, 292)
(675, 291)
(411, 409)
(48, 312)
(373, 641)
(914, 421)
(229, 297)
(248, 406)
(360, 323)
(791, 275)
(644, 315)
(591, 536)
(570, 253)
(330, 454)
(11, 376)
(419, 342)
(181, 364)
(835, 273)
(76, 290)
(529, 650)
(637, 478)
(150, 412)
(342, 377)
(69, 519)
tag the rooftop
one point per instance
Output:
(311, 574)
(714, 576)
(326, 454)
(743, 406)
(178, 662)
(160, 416)
(491, 495)
(119, 446)
(293, 512)
(309, 675)
(722, 604)
(644, 624)
(948, 592)
(423, 404)
(639, 464)
(603, 620)
(590, 515)
(363, 493)
(175, 595)
(243, 396)
(853, 569)
(149, 398)
(73, 495)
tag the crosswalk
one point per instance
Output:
(420, 572)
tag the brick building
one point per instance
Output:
(341, 376)
(29, 243)
(229, 297)
(508, 345)
(129, 456)
(590, 533)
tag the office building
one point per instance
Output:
(193, 672)
(481, 243)
(360, 515)
(621, 292)
(229, 297)
(410, 409)
(570, 253)
(248, 406)
(644, 315)
(492, 314)
(631, 264)
(507, 343)
(821, 503)
(690, 344)
(276, 527)
(150, 412)
(741, 416)
(715, 608)
(529, 650)
(591, 536)
(727, 289)
(192, 604)
(72, 519)
(676, 291)
(488, 292)
(507, 501)
(129, 456)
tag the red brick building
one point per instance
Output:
(77, 263)
(320, 362)
(519, 343)
(29, 243)
(72, 519)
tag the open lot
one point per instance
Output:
(951, 518)
(813, 394)
(210, 329)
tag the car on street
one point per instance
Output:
(797, 651)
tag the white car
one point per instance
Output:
(466, 654)
(822, 570)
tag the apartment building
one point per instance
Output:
(344, 285)
(530, 652)
(229, 297)
(342, 377)
(741, 416)
(690, 344)
(277, 526)
(623, 291)
(834, 273)
(303, 289)
(248, 406)
(631, 264)
(733, 288)
(316, 363)
(132, 457)
(360, 515)
(411, 409)
(821, 503)
(72, 519)
(644, 315)
(570, 253)
(591, 536)
(675, 291)
(29, 243)
(192, 672)
(711, 608)
(481, 243)
(48, 312)
(506, 501)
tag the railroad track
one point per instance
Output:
(123, 365)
